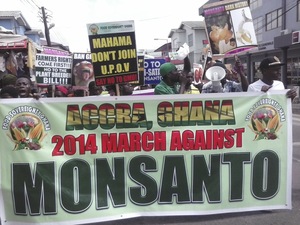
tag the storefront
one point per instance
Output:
(17, 55)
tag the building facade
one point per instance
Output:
(277, 26)
(14, 21)
(194, 35)
(20, 43)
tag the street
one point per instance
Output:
(276, 217)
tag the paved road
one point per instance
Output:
(276, 217)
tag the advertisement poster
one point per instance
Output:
(82, 70)
(152, 75)
(113, 52)
(87, 160)
(54, 51)
(229, 26)
(53, 69)
(198, 73)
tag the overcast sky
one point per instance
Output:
(152, 18)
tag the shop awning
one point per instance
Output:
(13, 41)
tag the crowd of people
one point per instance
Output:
(172, 82)
(234, 80)
(22, 87)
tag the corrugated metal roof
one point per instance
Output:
(193, 24)
(164, 48)
(55, 44)
(35, 31)
(17, 15)
(10, 13)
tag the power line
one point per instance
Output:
(29, 7)
(35, 8)
(33, 3)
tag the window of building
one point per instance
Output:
(190, 40)
(293, 71)
(274, 19)
(255, 4)
(258, 26)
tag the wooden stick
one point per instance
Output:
(118, 89)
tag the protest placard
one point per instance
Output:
(82, 70)
(152, 74)
(113, 51)
(53, 69)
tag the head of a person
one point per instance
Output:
(24, 85)
(9, 79)
(79, 93)
(222, 65)
(190, 78)
(111, 90)
(61, 91)
(169, 72)
(49, 91)
(9, 91)
(93, 89)
(232, 42)
(126, 89)
(270, 68)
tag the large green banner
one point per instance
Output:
(85, 160)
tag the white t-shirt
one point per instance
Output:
(257, 85)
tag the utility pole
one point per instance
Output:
(46, 27)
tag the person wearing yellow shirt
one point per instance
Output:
(191, 88)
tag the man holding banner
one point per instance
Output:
(270, 69)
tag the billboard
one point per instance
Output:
(229, 26)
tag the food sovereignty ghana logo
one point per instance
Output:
(266, 117)
(26, 127)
